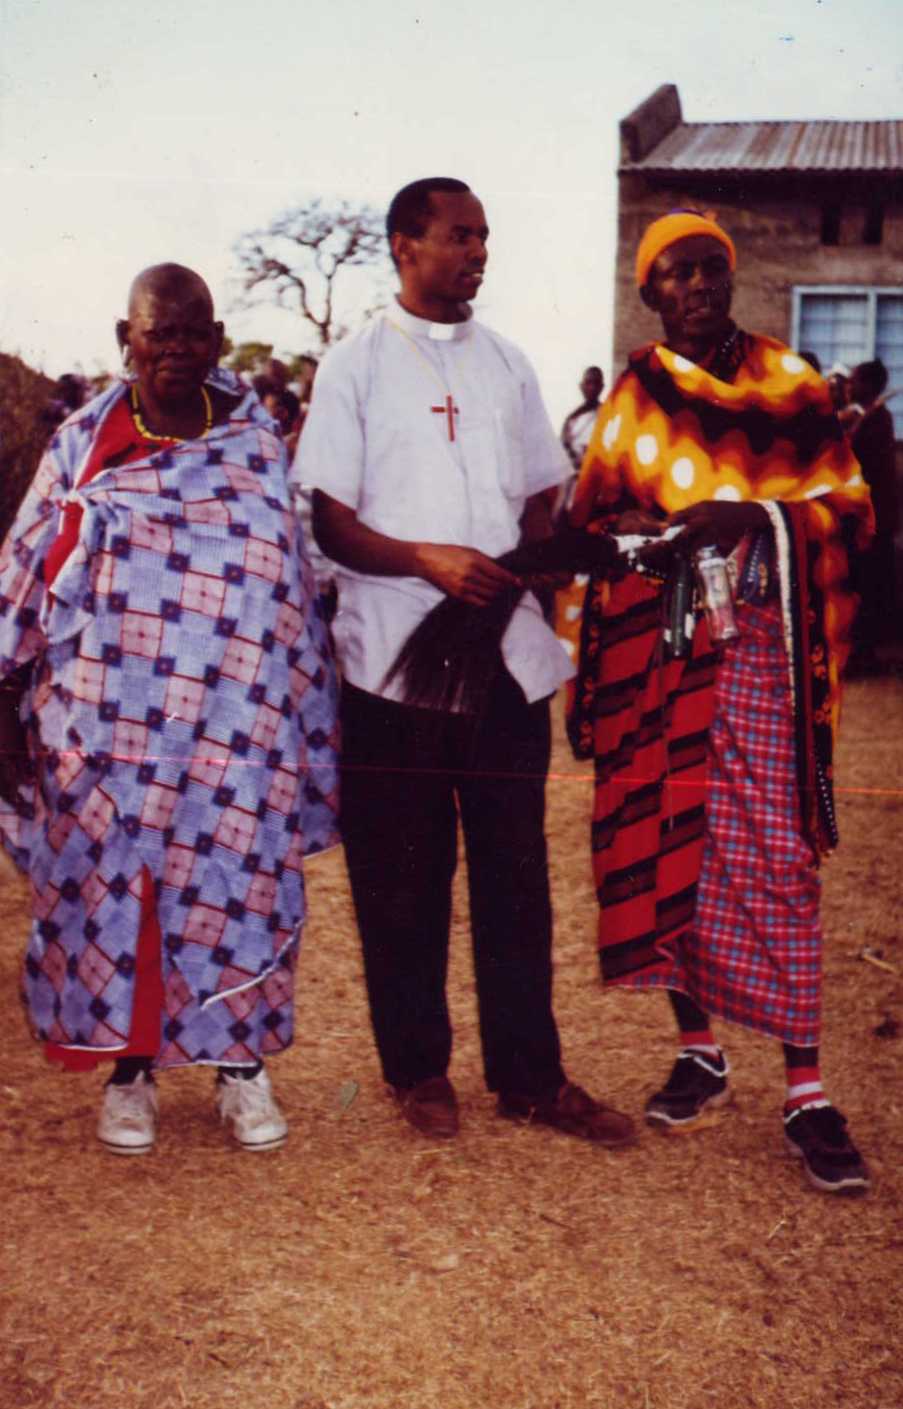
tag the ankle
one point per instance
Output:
(804, 1086)
(126, 1070)
(236, 1073)
(701, 1041)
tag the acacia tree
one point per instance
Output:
(301, 256)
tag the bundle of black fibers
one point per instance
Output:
(452, 659)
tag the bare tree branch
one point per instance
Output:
(297, 261)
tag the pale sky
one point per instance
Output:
(132, 133)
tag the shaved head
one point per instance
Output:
(168, 281)
(170, 339)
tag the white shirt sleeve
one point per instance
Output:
(546, 462)
(331, 449)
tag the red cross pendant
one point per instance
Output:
(450, 410)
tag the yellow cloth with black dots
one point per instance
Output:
(672, 434)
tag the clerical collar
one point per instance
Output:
(422, 327)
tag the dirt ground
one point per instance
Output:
(361, 1267)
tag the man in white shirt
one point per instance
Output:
(578, 426)
(429, 451)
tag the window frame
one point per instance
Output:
(871, 293)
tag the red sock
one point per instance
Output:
(700, 1040)
(804, 1088)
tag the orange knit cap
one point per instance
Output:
(668, 230)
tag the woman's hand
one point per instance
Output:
(719, 521)
(637, 521)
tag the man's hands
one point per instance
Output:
(472, 576)
(460, 572)
(464, 573)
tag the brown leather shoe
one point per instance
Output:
(574, 1112)
(431, 1107)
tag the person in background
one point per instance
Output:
(272, 378)
(429, 452)
(306, 375)
(873, 443)
(713, 760)
(70, 393)
(578, 426)
(167, 729)
(285, 409)
(564, 606)
(838, 379)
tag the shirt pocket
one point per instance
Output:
(508, 438)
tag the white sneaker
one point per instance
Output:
(128, 1117)
(257, 1122)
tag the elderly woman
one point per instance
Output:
(713, 761)
(161, 653)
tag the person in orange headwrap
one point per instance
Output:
(713, 760)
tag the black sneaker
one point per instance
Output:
(818, 1136)
(695, 1089)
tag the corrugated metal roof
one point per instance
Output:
(777, 146)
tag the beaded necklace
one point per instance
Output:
(725, 362)
(149, 435)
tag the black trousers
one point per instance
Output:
(403, 770)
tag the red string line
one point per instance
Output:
(231, 760)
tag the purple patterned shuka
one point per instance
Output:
(182, 711)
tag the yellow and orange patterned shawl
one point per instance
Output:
(672, 434)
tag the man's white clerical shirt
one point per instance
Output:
(430, 432)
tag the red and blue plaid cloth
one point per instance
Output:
(753, 952)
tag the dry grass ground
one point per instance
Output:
(362, 1268)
